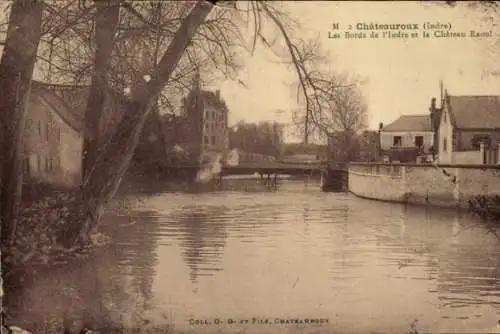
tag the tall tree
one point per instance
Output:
(101, 182)
(106, 22)
(112, 156)
(16, 71)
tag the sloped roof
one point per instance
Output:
(409, 123)
(72, 116)
(69, 101)
(475, 112)
(209, 97)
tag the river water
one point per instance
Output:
(294, 253)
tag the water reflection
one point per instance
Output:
(112, 289)
(203, 241)
(364, 265)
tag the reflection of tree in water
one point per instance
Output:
(469, 271)
(204, 238)
(137, 252)
(99, 292)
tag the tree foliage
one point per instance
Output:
(264, 138)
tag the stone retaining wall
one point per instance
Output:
(436, 185)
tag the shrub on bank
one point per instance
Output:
(487, 207)
(44, 212)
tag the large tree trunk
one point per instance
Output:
(106, 22)
(103, 179)
(16, 70)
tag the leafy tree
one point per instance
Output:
(263, 138)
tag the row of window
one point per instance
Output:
(207, 141)
(40, 164)
(45, 135)
(214, 115)
(211, 126)
(398, 141)
(475, 142)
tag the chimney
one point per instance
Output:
(433, 104)
(441, 89)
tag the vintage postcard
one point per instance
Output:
(249, 166)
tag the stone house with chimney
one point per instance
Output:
(469, 129)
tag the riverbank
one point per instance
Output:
(448, 186)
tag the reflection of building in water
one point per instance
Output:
(402, 227)
(457, 253)
(204, 241)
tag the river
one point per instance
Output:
(294, 253)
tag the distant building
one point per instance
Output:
(469, 129)
(407, 137)
(207, 115)
(52, 139)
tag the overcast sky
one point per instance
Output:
(402, 75)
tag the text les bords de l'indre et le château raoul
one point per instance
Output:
(363, 30)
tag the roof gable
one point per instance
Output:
(475, 112)
(410, 123)
(70, 116)
(70, 101)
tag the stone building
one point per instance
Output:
(53, 136)
(407, 137)
(207, 115)
(469, 129)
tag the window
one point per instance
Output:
(26, 166)
(38, 163)
(213, 140)
(419, 141)
(478, 139)
(444, 117)
(47, 132)
(206, 139)
(397, 141)
(47, 165)
(40, 129)
(445, 145)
